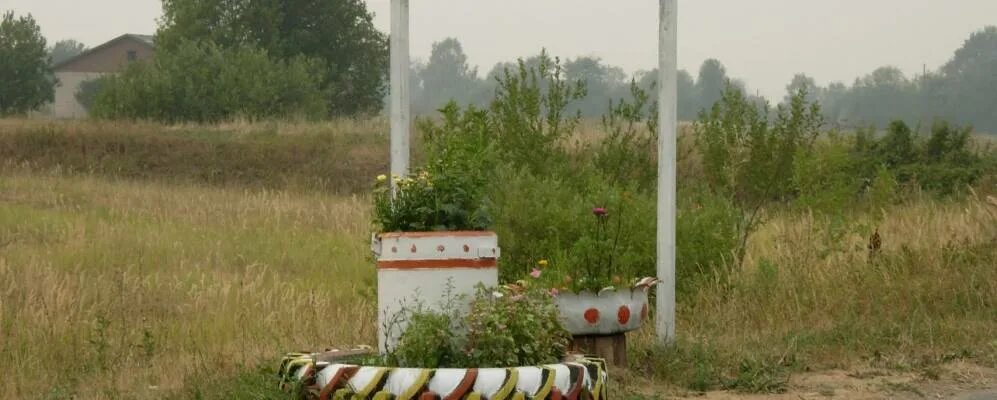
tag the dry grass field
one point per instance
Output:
(143, 288)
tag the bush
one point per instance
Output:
(504, 328)
(203, 82)
(529, 114)
(706, 239)
(748, 158)
(943, 164)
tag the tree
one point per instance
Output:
(64, 50)
(710, 84)
(446, 77)
(802, 82)
(26, 81)
(339, 33)
(688, 98)
(970, 80)
(603, 83)
(203, 82)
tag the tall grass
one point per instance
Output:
(119, 289)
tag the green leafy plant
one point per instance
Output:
(605, 255)
(504, 327)
(448, 193)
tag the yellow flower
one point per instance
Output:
(382, 178)
(543, 263)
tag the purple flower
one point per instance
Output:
(600, 212)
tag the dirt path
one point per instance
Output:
(958, 380)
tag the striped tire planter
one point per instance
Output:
(581, 378)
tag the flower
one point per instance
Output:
(554, 292)
(535, 273)
(497, 295)
(600, 212)
(382, 178)
(542, 263)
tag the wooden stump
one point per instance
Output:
(612, 348)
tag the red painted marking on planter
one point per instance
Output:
(413, 249)
(467, 249)
(643, 312)
(440, 248)
(338, 381)
(438, 264)
(555, 394)
(465, 387)
(592, 316)
(623, 315)
(394, 249)
(429, 395)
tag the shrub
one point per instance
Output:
(503, 328)
(203, 82)
(944, 163)
(750, 159)
(628, 152)
(826, 180)
(529, 114)
(706, 239)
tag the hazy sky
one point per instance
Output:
(762, 41)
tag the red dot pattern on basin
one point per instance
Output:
(623, 315)
(592, 316)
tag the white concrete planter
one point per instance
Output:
(608, 312)
(577, 378)
(421, 267)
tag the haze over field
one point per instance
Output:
(764, 42)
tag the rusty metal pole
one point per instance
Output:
(667, 142)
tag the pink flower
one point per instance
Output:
(554, 292)
(535, 273)
(600, 212)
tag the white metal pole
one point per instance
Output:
(400, 91)
(667, 142)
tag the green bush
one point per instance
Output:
(826, 179)
(749, 158)
(944, 163)
(203, 82)
(706, 239)
(504, 328)
(529, 114)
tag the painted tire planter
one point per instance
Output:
(609, 312)
(579, 378)
(423, 266)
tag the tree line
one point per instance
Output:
(221, 59)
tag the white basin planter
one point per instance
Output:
(599, 322)
(323, 377)
(421, 267)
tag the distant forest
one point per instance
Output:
(964, 90)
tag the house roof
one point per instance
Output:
(147, 40)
